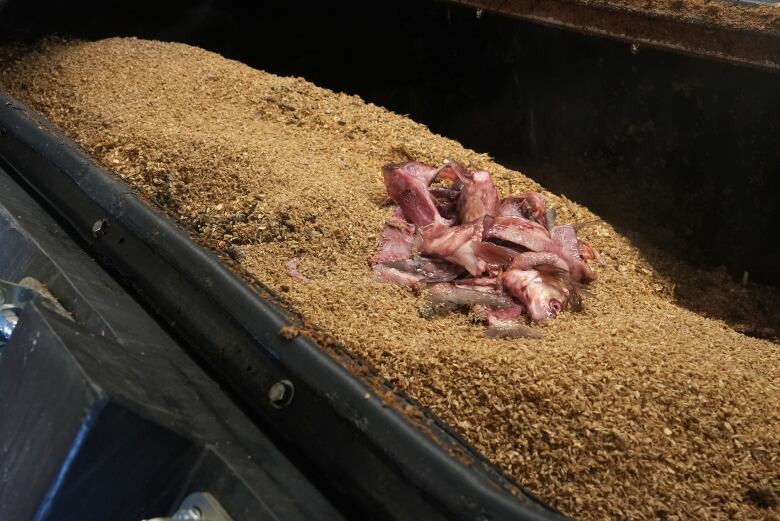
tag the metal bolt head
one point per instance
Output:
(190, 514)
(9, 317)
(280, 394)
(100, 227)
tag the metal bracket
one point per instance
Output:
(17, 294)
(13, 299)
(200, 506)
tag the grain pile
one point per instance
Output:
(634, 408)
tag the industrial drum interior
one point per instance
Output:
(421, 259)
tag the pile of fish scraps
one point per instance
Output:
(504, 260)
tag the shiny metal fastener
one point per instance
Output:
(9, 317)
(200, 506)
(100, 227)
(281, 393)
(13, 299)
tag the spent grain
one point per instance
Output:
(634, 408)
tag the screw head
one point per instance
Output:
(191, 514)
(100, 227)
(281, 393)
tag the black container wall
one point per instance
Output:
(104, 416)
(376, 459)
(635, 136)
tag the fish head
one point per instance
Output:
(546, 300)
(544, 296)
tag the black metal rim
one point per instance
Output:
(235, 331)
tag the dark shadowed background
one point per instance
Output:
(675, 151)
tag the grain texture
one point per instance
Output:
(634, 408)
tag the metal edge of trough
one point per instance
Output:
(760, 49)
(372, 443)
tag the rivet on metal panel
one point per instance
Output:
(281, 393)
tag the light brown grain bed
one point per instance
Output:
(634, 408)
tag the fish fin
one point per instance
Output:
(494, 254)
(417, 241)
(588, 252)
(550, 218)
(460, 171)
